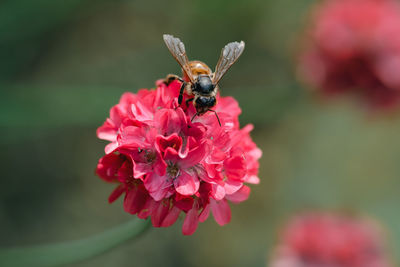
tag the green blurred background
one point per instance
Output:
(63, 64)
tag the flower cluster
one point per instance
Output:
(354, 46)
(167, 165)
(328, 240)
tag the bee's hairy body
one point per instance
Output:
(199, 82)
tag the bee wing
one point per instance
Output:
(229, 54)
(177, 49)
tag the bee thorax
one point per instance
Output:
(204, 85)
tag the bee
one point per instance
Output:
(199, 82)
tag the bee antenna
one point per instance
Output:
(194, 117)
(216, 116)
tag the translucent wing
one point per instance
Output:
(229, 54)
(177, 49)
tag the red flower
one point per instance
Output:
(327, 240)
(354, 46)
(165, 164)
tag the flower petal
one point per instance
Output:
(159, 165)
(183, 202)
(194, 156)
(186, 184)
(231, 186)
(221, 211)
(141, 112)
(146, 209)
(141, 169)
(235, 167)
(204, 214)
(217, 156)
(168, 121)
(171, 154)
(171, 217)
(157, 185)
(133, 137)
(241, 195)
(111, 147)
(191, 222)
(135, 199)
(160, 211)
(116, 193)
(252, 179)
(108, 131)
(218, 191)
(174, 141)
(108, 167)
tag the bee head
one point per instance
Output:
(204, 103)
(204, 85)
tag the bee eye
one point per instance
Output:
(212, 101)
(201, 101)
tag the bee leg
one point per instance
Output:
(180, 98)
(216, 116)
(172, 77)
(194, 117)
(188, 100)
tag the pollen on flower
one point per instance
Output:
(172, 170)
(150, 156)
(166, 165)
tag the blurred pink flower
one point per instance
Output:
(165, 164)
(328, 240)
(354, 46)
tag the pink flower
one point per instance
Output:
(354, 46)
(165, 164)
(328, 240)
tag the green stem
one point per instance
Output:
(73, 251)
